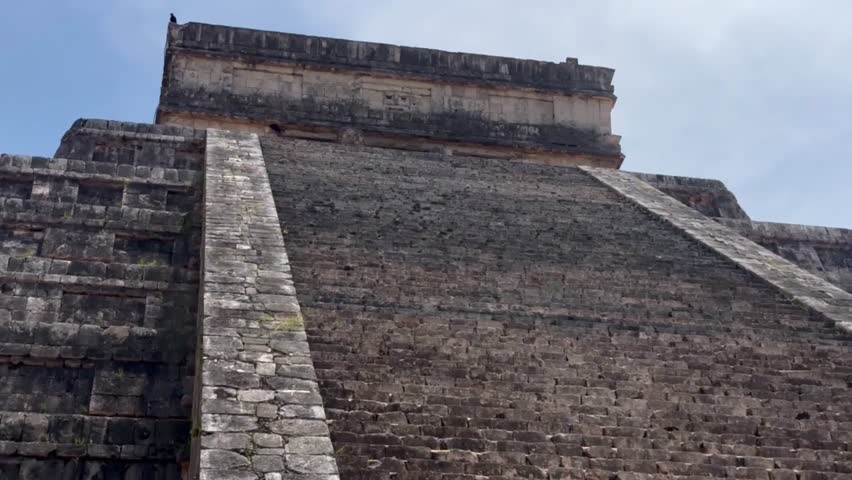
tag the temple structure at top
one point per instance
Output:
(389, 96)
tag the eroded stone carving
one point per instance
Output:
(406, 99)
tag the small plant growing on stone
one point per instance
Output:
(149, 262)
(291, 323)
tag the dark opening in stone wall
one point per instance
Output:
(180, 201)
(102, 310)
(100, 194)
(143, 250)
(187, 159)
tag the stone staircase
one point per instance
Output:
(475, 318)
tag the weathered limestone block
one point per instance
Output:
(100, 194)
(102, 310)
(144, 196)
(129, 145)
(29, 302)
(411, 98)
(65, 244)
(257, 410)
(54, 188)
(20, 242)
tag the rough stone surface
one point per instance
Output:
(803, 286)
(823, 251)
(359, 92)
(710, 197)
(567, 76)
(474, 318)
(250, 322)
(98, 292)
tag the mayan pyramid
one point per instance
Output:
(336, 259)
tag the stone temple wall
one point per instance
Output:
(414, 98)
(99, 252)
(710, 197)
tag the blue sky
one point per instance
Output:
(755, 93)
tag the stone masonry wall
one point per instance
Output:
(710, 197)
(823, 251)
(320, 86)
(98, 278)
(804, 287)
(428, 64)
(258, 413)
(473, 318)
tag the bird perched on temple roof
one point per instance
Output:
(172, 18)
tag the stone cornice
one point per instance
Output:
(568, 77)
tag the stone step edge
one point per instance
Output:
(102, 172)
(130, 219)
(90, 450)
(156, 137)
(132, 272)
(57, 342)
(790, 232)
(805, 288)
(57, 279)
